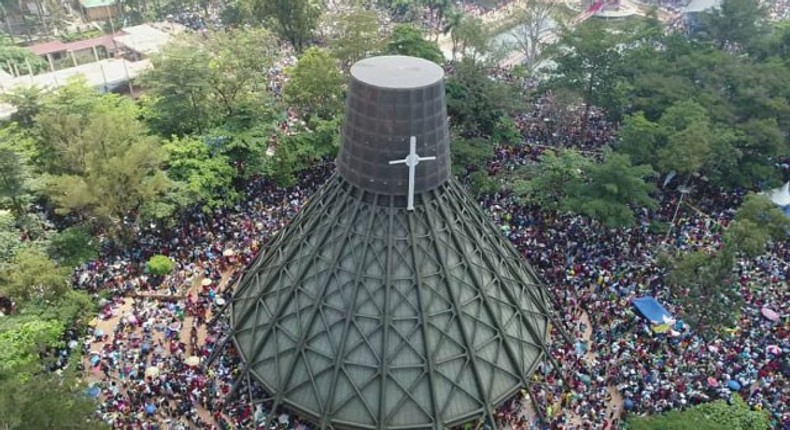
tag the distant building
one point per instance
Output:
(98, 10)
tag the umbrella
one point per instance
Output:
(205, 282)
(712, 382)
(220, 301)
(93, 391)
(145, 346)
(733, 385)
(94, 322)
(150, 409)
(131, 319)
(773, 349)
(176, 326)
(98, 332)
(95, 359)
(228, 252)
(628, 404)
(283, 419)
(152, 371)
(192, 361)
(770, 314)
(584, 378)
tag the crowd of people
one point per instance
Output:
(597, 272)
(150, 366)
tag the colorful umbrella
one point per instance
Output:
(205, 282)
(152, 371)
(712, 382)
(733, 385)
(192, 361)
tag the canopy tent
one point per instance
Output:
(781, 195)
(652, 310)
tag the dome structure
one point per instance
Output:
(391, 301)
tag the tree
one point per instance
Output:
(534, 26)
(409, 40)
(736, 21)
(47, 401)
(26, 101)
(14, 180)
(548, 182)
(475, 103)
(355, 35)
(179, 83)
(111, 166)
(294, 20)
(588, 61)
(708, 416)
(33, 276)
(688, 142)
(470, 154)
(315, 85)
(702, 285)
(198, 83)
(74, 246)
(206, 175)
(159, 265)
(300, 150)
(611, 190)
(470, 38)
(757, 222)
(640, 138)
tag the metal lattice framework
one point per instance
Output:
(362, 314)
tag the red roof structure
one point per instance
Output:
(58, 46)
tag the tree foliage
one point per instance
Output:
(32, 275)
(612, 190)
(354, 35)
(407, 39)
(315, 85)
(205, 176)
(294, 20)
(104, 166)
(548, 182)
(707, 416)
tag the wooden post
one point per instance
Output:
(73, 58)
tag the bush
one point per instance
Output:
(159, 265)
(718, 415)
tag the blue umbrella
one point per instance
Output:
(628, 404)
(93, 391)
(95, 360)
(145, 346)
(150, 409)
(733, 385)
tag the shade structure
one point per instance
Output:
(365, 313)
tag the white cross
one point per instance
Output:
(412, 160)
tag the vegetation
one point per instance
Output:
(708, 416)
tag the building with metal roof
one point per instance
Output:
(391, 301)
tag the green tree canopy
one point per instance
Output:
(611, 191)
(354, 35)
(32, 275)
(107, 167)
(548, 182)
(206, 176)
(294, 20)
(715, 415)
(315, 85)
(407, 39)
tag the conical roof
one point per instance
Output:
(365, 314)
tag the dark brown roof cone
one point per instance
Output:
(363, 314)
(391, 100)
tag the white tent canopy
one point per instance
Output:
(781, 195)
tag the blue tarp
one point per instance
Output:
(649, 308)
